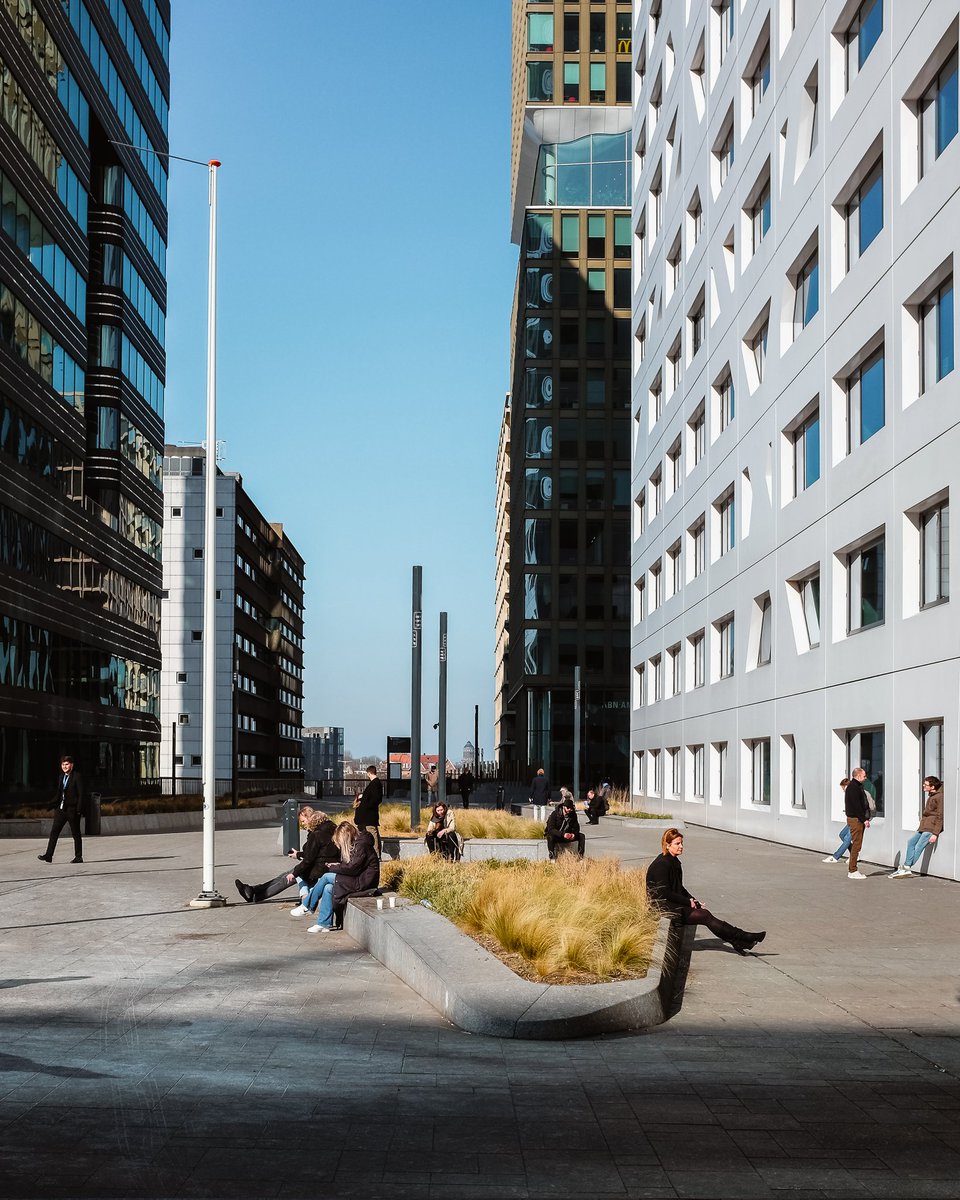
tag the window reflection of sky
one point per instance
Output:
(590, 170)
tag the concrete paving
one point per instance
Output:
(149, 1049)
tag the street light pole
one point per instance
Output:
(415, 694)
(209, 897)
(576, 733)
(442, 747)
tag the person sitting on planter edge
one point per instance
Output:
(311, 863)
(665, 889)
(563, 828)
(442, 837)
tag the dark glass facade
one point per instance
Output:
(568, 467)
(82, 301)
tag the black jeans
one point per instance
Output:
(264, 891)
(61, 818)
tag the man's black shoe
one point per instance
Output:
(76, 860)
(245, 891)
(44, 858)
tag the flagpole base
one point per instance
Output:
(208, 900)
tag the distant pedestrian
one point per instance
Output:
(465, 784)
(68, 799)
(432, 780)
(563, 828)
(845, 833)
(540, 788)
(931, 826)
(595, 807)
(366, 814)
(665, 888)
(857, 809)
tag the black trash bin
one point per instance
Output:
(91, 823)
(499, 797)
(291, 823)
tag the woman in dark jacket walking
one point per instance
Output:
(312, 863)
(358, 872)
(665, 888)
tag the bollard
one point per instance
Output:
(91, 822)
(500, 797)
(291, 825)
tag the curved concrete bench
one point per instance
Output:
(477, 992)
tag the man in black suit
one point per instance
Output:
(69, 801)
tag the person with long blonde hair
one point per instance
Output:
(311, 862)
(357, 871)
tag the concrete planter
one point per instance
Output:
(474, 849)
(475, 991)
(171, 822)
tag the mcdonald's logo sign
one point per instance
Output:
(625, 46)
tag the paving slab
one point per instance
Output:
(150, 1049)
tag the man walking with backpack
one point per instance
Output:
(858, 810)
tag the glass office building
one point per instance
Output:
(564, 464)
(82, 301)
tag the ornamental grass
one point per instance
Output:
(471, 822)
(573, 920)
(618, 805)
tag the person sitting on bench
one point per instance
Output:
(358, 873)
(312, 862)
(442, 837)
(563, 829)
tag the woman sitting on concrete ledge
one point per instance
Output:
(311, 865)
(665, 888)
(442, 837)
(358, 872)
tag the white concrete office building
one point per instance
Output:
(796, 221)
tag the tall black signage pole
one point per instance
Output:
(415, 695)
(576, 733)
(477, 764)
(442, 747)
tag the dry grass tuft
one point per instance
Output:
(618, 803)
(471, 822)
(571, 920)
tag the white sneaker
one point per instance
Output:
(298, 911)
(320, 929)
(855, 875)
(901, 873)
(830, 858)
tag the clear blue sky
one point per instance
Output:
(366, 280)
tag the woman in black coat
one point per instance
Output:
(312, 862)
(358, 872)
(665, 888)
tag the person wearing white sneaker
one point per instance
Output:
(845, 834)
(310, 865)
(931, 826)
(858, 819)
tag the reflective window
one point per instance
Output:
(865, 748)
(141, 375)
(590, 170)
(938, 114)
(936, 336)
(765, 645)
(806, 300)
(40, 660)
(865, 214)
(865, 590)
(32, 446)
(810, 602)
(571, 82)
(759, 770)
(21, 332)
(138, 57)
(539, 235)
(865, 401)
(760, 217)
(32, 28)
(103, 65)
(537, 597)
(159, 28)
(34, 240)
(20, 115)
(862, 35)
(598, 81)
(935, 554)
(806, 453)
(725, 630)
